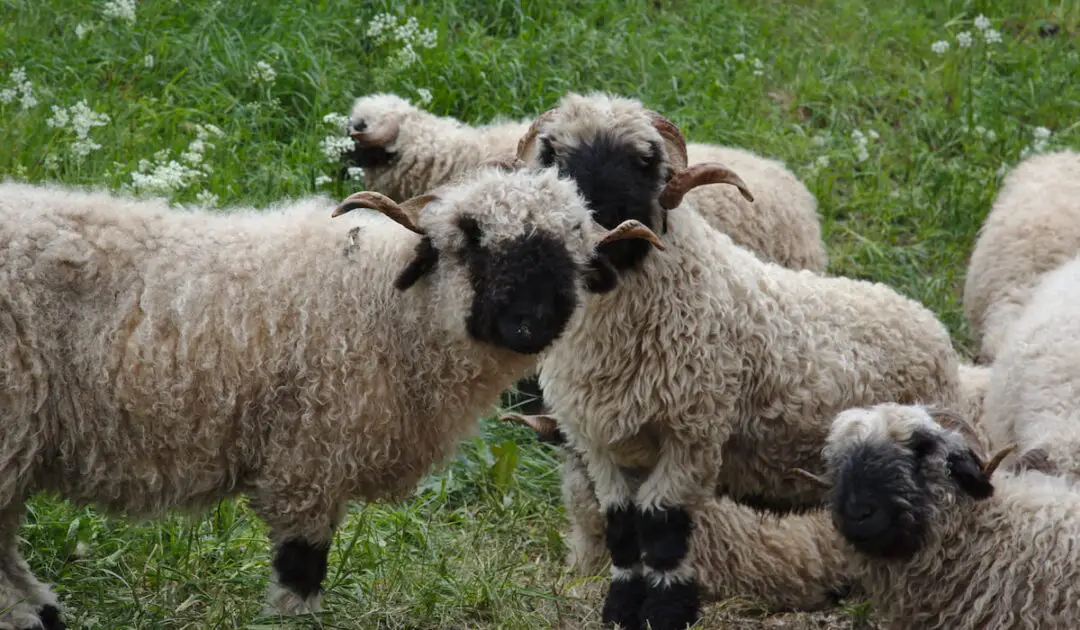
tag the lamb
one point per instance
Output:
(153, 360)
(936, 539)
(705, 369)
(788, 564)
(406, 151)
(1033, 396)
(1032, 228)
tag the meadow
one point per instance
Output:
(901, 117)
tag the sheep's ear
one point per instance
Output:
(423, 262)
(968, 472)
(601, 276)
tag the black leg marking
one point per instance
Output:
(50, 618)
(664, 536)
(623, 600)
(301, 566)
(621, 537)
(672, 607)
(623, 603)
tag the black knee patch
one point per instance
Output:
(664, 537)
(623, 603)
(621, 537)
(301, 566)
(49, 616)
(673, 607)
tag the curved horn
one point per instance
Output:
(673, 138)
(800, 472)
(526, 142)
(631, 229)
(702, 174)
(989, 467)
(949, 419)
(506, 162)
(545, 426)
(380, 136)
(405, 213)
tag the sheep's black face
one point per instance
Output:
(618, 183)
(365, 157)
(523, 289)
(880, 502)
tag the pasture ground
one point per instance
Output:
(903, 142)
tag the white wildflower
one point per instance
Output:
(759, 67)
(992, 36)
(203, 132)
(7, 95)
(144, 165)
(81, 30)
(83, 119)
(120, 10)
(963, 40)
(148, 61)
(739, 57)
(822, 161)
(323, 179)
(940, 47)
(873, 134)
(81, 148)
(28, 100)
(858, 137)
(18, 76)
(355, 172)
(166, 178)
(381, 25)
(820, 139)
(51, 162)
(990, 135)
(20, 170)
(861, 154)
(340, 121)
(408, 31)
(194, 158)
(894, 193)
(263, 72)
(1041, 133)
(336, 146)
(59, 117)
(425, 96)
(428, 38)
(982, 22)
(161, 155)
(207, 199)
(404, 57)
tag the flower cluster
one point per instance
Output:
(759, 66)
(385, 28)
(166, 176)
(965, 39)
(21, 88)
(263, 72)
(80, 119)
(860, 148)
(861, 152)
(1039, 143)
(119, 10)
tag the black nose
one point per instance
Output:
(527, 330)
(359, 125)
(859, 511)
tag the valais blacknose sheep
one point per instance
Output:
(705, 370)
(1033, 397)
(153, 359)
(1032, 228)
(938, 540)
(406, 151)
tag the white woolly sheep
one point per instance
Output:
(152, 359)
(974, 383)
(406, 151)
(1033, 397)
(940, 542)
(706, 370)
(787, 563)
(1032, 228)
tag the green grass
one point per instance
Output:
(479, 546)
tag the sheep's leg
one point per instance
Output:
(588, 553)
(667, 502)
(613, 489)
(301, 540)
(26, 603)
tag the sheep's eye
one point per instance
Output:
(546, 156)
(921, 444)
(471, 229)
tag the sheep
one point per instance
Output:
(153, 360)
(936, 538)
(406, 151)
(705, 369)
(790, 563)
(974, 383)
(1032, 228)
(1033, 398)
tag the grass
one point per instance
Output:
(479, 544)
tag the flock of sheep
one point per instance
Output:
(733, 420)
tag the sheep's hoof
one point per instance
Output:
(623, 602)
(671, 607)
